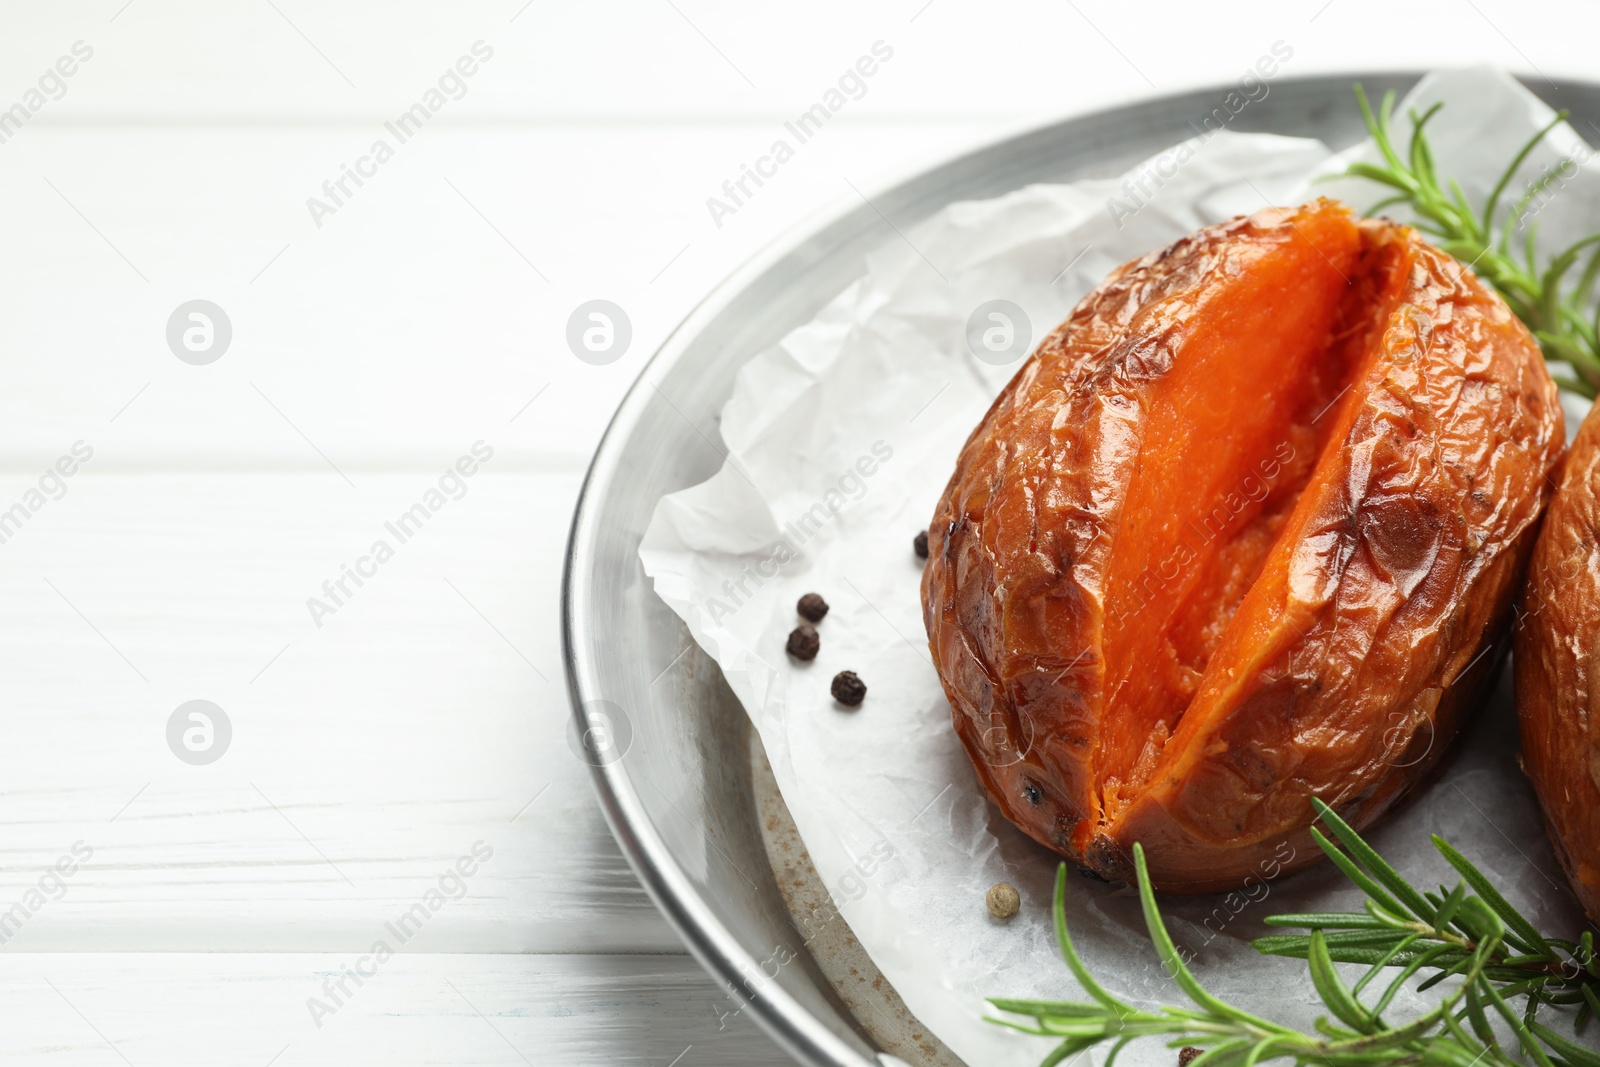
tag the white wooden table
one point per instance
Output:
(212, 909)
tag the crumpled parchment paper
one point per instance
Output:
(841, 436)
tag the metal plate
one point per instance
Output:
(682, 782)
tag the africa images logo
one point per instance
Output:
(851, 85)
(406, 125)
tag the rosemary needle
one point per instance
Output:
(1469, 933)
(1559, 308)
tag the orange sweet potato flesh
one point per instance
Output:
(1244, 530)
(1557, 666)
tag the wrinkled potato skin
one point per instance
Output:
(1399, 583)
(1558, 667)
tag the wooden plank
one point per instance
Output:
(430, 311)
(593, 60)
(204, 1008)
(425, 714)
(715, 59)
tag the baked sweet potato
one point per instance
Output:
(1245, 529)
(1557, 666)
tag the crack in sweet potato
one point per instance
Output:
(1183, 562)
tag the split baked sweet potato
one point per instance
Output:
(1245, 529)
(1557, 666)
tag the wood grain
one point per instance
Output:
(251, 1009)
(368, 753)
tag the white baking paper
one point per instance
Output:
(840, 438)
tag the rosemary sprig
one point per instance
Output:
(1469, 933)
(1562, 314)
(1428, 932)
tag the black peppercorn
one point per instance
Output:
(812, 607)
(1186, 1055)
(920, 544)
(1031, 791)
(803, 642)
(848, 689)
